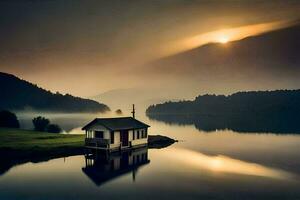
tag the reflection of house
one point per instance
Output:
(102, 167)
(116, 133)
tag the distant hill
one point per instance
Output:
(267, 61)
(263, 111)
(124, 98)
(279, 102)
(17, 94)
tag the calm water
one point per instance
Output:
(219, 164)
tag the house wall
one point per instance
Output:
(106, 135)
(116, 144)
(139, 141)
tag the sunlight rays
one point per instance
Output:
(223, 36)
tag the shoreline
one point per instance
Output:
(21, 146)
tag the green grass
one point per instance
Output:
(31, 144)
(18, 139)
(19, 146)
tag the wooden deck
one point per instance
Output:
(97, 143)
(104, 144)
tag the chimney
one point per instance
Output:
(133, 111)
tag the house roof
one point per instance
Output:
(120, 123)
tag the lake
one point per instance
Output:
(216, 164)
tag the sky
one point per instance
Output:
(89, 47)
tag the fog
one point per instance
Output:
(88, 48)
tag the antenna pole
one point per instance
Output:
(133, 111)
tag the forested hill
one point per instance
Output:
(17, 94)
(264, 103)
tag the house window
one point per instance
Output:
(146, 132)
(133, 135)
(99, 134)
(143, 133)
(138, 134)
(112, 137)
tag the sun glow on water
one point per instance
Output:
(224, 164)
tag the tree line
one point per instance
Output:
(264, 103)
(10, 120)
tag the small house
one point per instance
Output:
(114, 134)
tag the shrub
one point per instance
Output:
(8, 119)
(119, 112)
(53, 128)
(40, 123)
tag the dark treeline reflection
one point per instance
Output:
(239, 123)
(102, 167)
(256, 111)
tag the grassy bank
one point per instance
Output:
(19, 146)
(18, 141)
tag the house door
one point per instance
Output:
(124, 138)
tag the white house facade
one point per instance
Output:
(116, 133)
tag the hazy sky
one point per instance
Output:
(89, 47)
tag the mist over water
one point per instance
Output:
(71, 123)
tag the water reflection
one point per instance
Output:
(246, 123)
(102, 167)
(227, 165)
(224, 164)
(174, 173)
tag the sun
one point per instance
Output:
(223, 39)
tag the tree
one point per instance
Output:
(8, 119)
(53, 128)
(119, 112)
(40, 123)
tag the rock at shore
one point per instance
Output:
(159, 141)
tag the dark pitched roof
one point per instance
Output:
(120, 123)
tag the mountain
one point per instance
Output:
(17, 94)
(267, 61)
